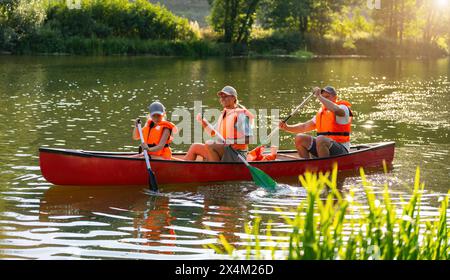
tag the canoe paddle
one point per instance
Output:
(151, 175)
(288, 117)
(260, 178)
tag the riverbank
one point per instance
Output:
(139, 28)
(288, 45)
(196, 48)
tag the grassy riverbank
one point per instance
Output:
(338, 227)
(47, 43)
(53, 45)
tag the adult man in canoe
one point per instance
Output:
(234, 125)
(332, 123)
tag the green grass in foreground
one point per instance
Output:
(337, 227)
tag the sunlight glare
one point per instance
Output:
(442, 3)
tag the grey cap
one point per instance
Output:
(330, 90)
(228, 90)
(156, 108)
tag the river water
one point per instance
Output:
(90, 103)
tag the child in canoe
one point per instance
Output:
(157, 133)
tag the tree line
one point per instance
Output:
(421, 21)
(416, 27)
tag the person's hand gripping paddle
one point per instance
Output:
(267, 139)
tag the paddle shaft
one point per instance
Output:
(152, 179)
(291, 114)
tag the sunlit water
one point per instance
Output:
(89, 103)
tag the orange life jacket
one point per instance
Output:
(227, 125)
(257, 155)
(326, 124)
(152, 135)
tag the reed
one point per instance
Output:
(338, 227)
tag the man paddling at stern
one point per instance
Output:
(332, 123)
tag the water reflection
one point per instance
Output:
(130, 222)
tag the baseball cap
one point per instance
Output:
(228, 90)
(156, 108)
(330, 90)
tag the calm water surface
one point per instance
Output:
(89, 103)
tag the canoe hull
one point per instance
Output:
(74, 167)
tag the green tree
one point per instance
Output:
(437, 20)
(413, 19)
(395, 17)
(350, 25)
(18, 20)
(8, 5)
(233, 19)
(304, 16)
(118, 18)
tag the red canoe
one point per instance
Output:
(77, 167)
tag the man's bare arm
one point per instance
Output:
(298, 128)
(330, 105)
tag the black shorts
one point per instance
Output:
(230, 156)
(335, 149)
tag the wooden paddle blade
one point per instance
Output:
(262, 179)
(152, 181)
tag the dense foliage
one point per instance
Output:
(53, 26)
(398, 27)
(118, 18)
(233, 19)
(19, 20)
(310, 16)
(239, 27)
